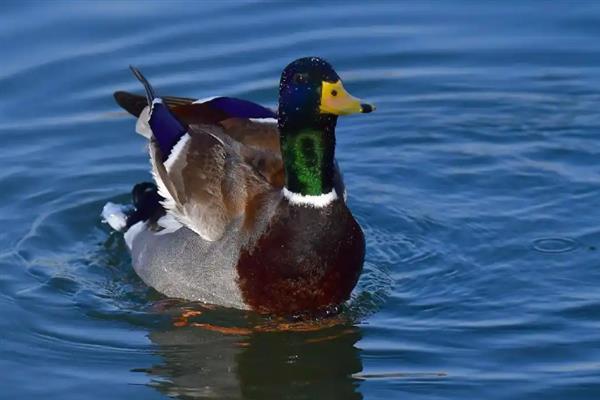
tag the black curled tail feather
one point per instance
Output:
(150, 95)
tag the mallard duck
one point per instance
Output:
(248, 207)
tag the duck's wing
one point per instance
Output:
(203, 175)
(205, 181)
(246, 122)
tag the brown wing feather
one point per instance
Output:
(256, 143)
(263, 136)
(260, 147)
(267, 163)
(210, 182)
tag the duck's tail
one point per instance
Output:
(145, 206)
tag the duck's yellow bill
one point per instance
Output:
(336, 100)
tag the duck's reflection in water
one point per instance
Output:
(202, 360)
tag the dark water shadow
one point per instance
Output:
(219, 361)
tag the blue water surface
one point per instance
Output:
(476, 183)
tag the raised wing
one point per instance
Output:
(204, 177)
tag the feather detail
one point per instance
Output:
(178, 151)
(169, 223)
(142, 124)
(208, 183)
(165, 127)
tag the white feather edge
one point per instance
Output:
(174, 219)
(264, 120)
(204, 100)
(142, 125)
(176, 152)
(169, 202)
(319, 201)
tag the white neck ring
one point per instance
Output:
(318, 201)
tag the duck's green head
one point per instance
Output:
(310, 89)
(311, 97)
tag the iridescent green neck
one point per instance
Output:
(308, 155)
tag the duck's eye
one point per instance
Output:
(300, 78)
(334, 92)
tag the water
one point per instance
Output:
(475, 182)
